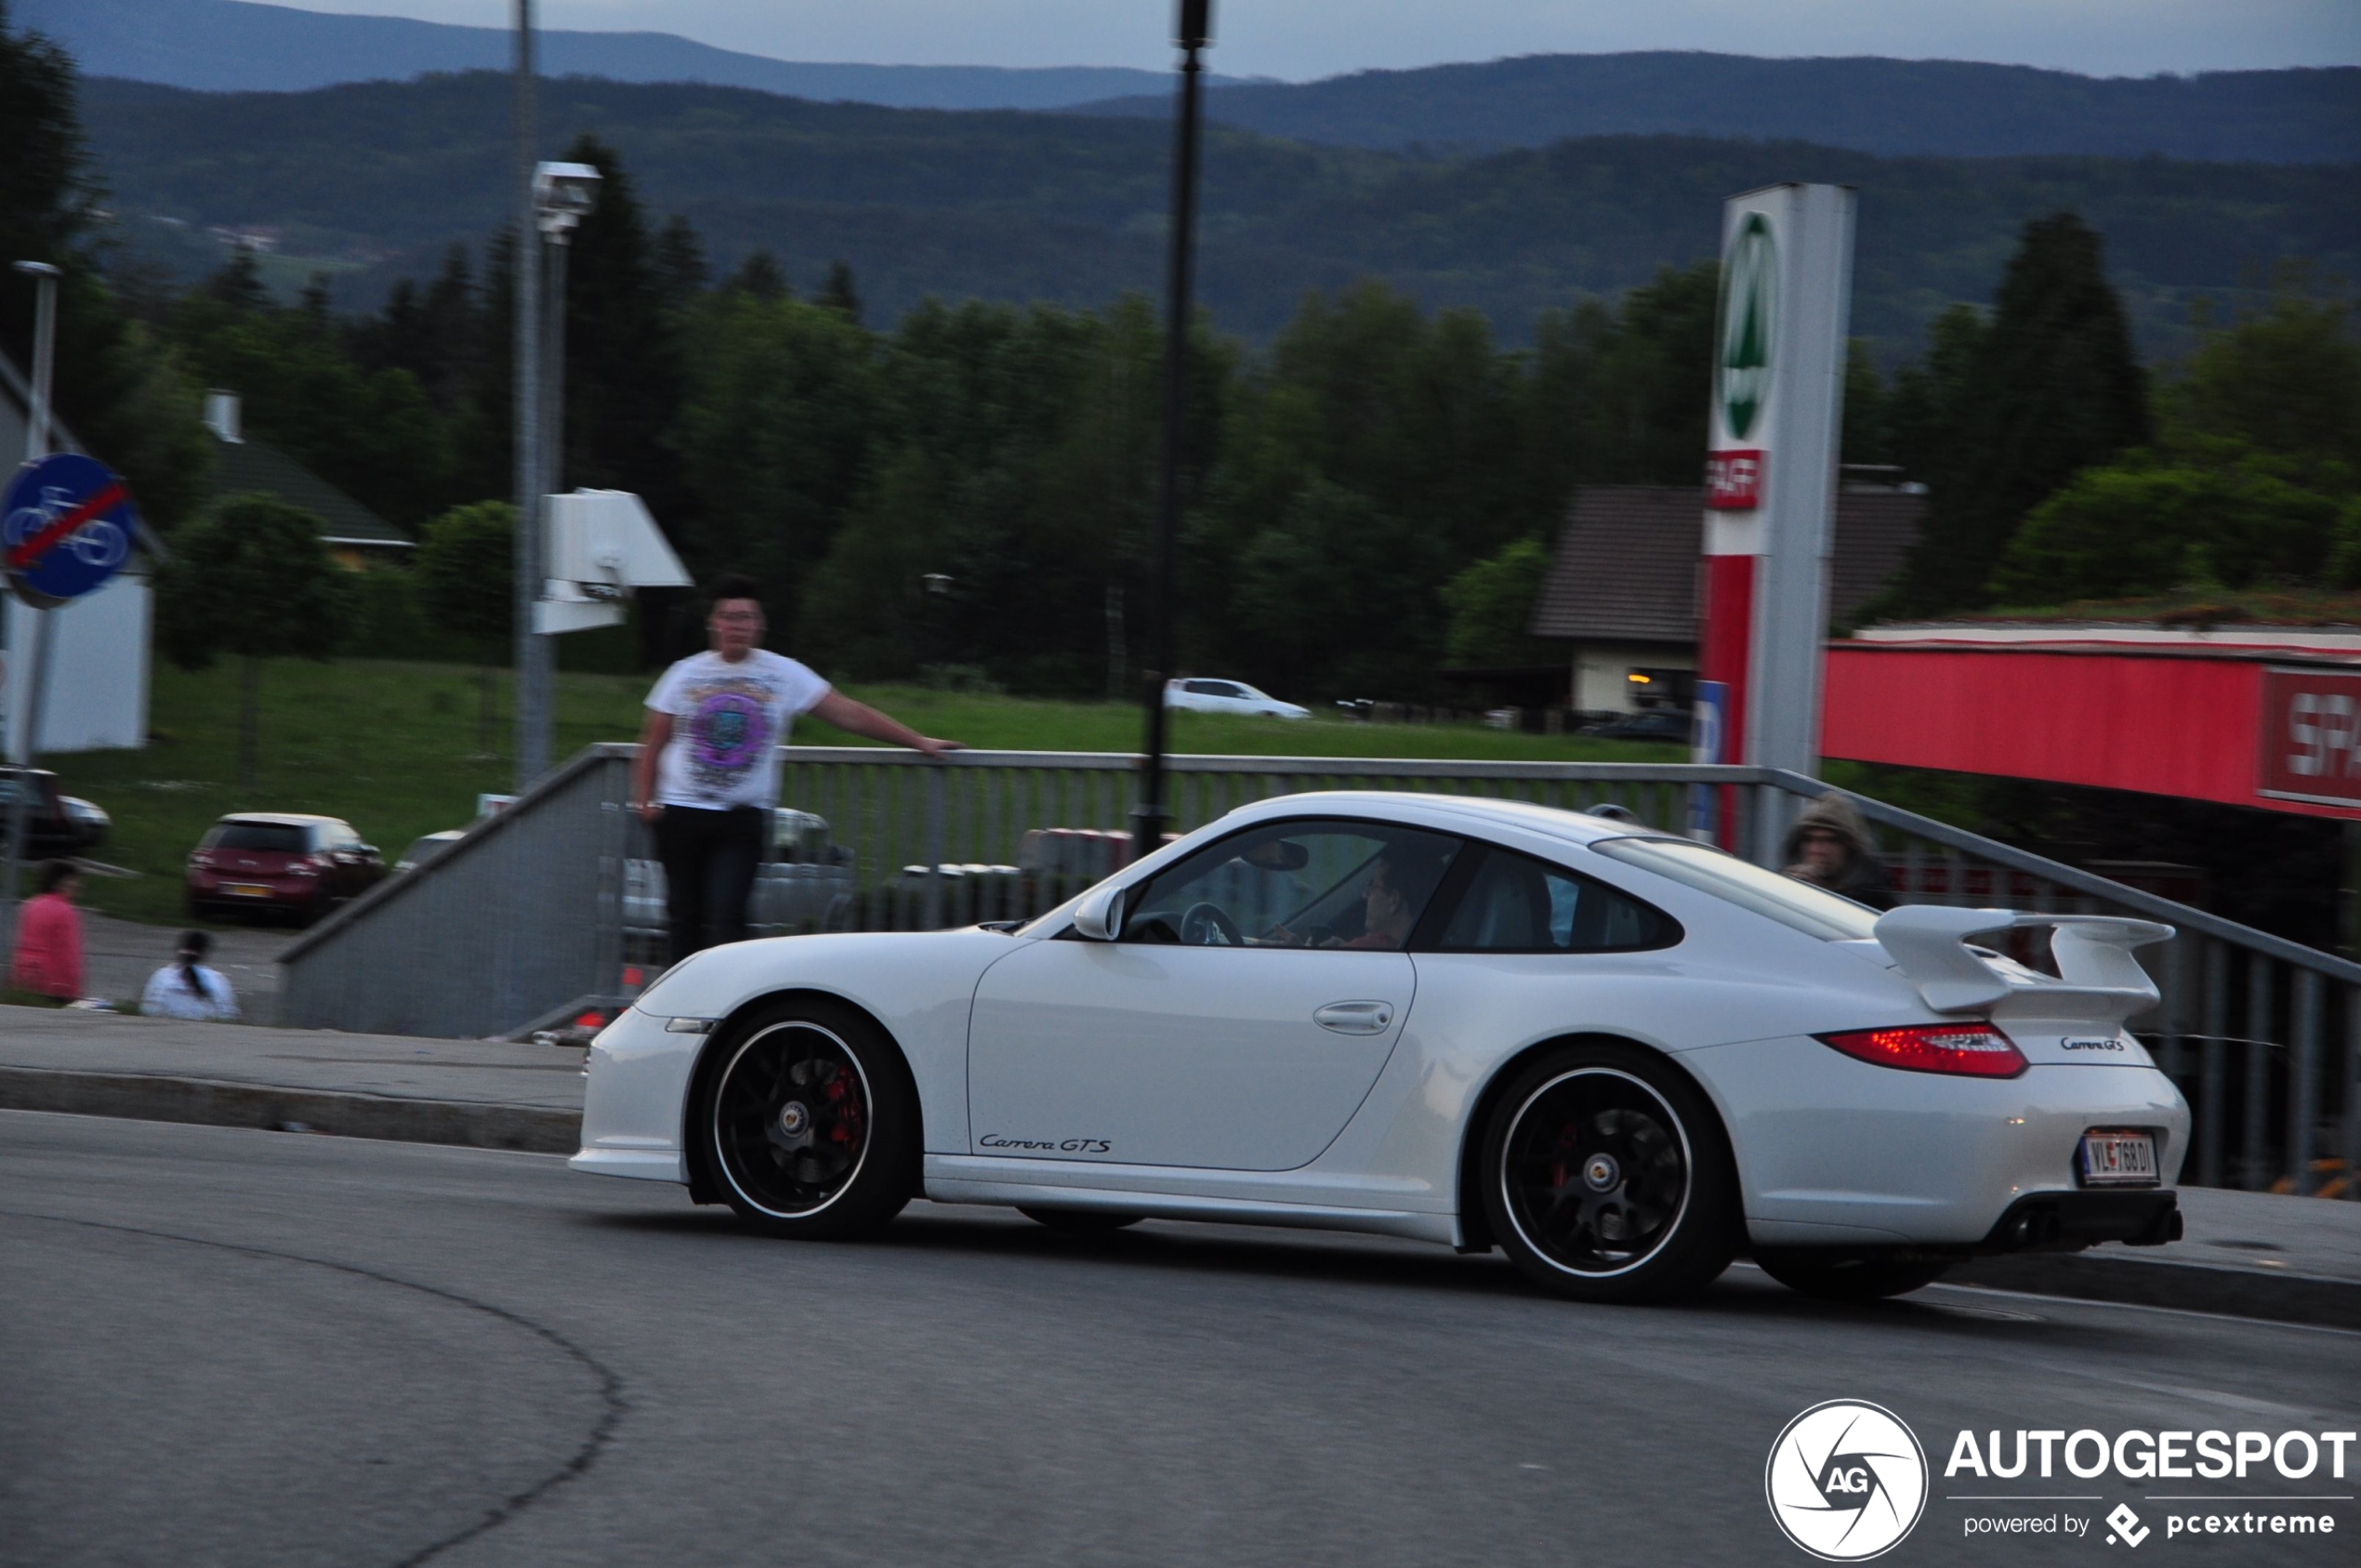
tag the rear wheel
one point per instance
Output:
(1607, 1176)
(1081, 1221)
(809, 1127)
(1835, 1278)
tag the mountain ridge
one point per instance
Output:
(240, 46)
(1070, 208)
(1869, 103)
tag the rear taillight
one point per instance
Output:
(1967, 1050)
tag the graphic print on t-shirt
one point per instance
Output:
(728, 725)
(729, 719)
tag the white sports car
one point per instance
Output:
(1620, 1056)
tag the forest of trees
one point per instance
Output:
(1371, 493)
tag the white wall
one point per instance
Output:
(1602, 672)
(97, 681)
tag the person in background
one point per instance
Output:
(1829, 846)
(48, 959)
(706, 778)
(185, 988)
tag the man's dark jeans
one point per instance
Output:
(709, 859)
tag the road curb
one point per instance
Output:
(154, 1097)
(2191, 1288)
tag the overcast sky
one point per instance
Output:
(1300, 39)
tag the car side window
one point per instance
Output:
(1297, 884)
(1516, 903)
(1205, 688)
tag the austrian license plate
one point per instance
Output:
(248, 890)
(2119, 1159)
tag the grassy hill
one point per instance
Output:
(1023, 206)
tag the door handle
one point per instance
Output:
(1355, 1017)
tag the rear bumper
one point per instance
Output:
(2070, 1221)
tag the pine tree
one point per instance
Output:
(840, 292)
(760, 277)
(623, 358)
(239, 284)
(681, 269)
(2054, 388)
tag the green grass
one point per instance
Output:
(392, 748)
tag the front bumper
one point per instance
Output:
(632, 1104)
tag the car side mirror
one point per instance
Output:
(1099, 918)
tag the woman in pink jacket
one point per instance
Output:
(48, 960)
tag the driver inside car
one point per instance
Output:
(1390, 905)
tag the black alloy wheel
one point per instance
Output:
(1607, 1176)
(809, 1124)
(1834, 1277)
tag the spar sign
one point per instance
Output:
(1771, 466)
(2312, 736)
(67, 528)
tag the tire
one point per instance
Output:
(1829, 1277)
(1607, 1176)
(1081, 1221)
(807, 1123)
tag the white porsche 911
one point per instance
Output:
(1620, 1056)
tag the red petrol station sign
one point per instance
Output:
(2311, 739)
(1733, 480)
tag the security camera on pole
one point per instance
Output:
(1771, 478)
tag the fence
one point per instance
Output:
(527, 915)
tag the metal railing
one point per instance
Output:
(527, 914)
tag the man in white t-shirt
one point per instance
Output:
(706, 778)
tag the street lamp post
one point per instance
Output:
(561, 194)
(1194, 31)
(532, 743)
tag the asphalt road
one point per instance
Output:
(229, 1346)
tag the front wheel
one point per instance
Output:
(809, 1124)
(1607, 1177)
(1831, 1278)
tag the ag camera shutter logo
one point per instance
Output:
(1846, 1481)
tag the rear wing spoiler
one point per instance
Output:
(2097, 975)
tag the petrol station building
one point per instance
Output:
(2261, 716)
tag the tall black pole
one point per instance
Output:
(531, 651)
(1149, 817)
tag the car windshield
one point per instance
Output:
(1813, 911)
(272, 838)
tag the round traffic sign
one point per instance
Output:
(66, 526)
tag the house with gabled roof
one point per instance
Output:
(1622, 588)
(358, 538)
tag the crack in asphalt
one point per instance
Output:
(610, 1382)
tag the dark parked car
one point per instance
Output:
(54, 824)
(1652, 724)
(301, 864)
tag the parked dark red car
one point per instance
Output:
(289, 862)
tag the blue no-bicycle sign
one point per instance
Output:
(66, 526)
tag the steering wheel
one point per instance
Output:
(1207, 924)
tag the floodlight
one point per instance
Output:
(562, 193)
